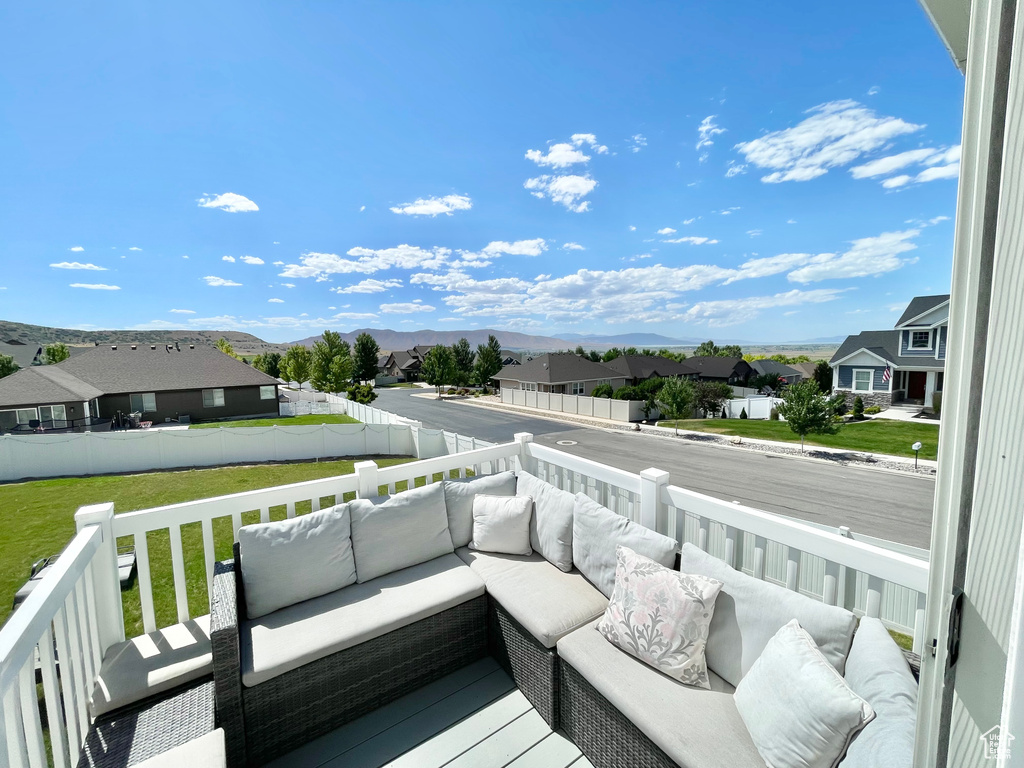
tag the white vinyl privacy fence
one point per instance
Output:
(757, 407)
(600, 407)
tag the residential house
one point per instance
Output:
(730, 370)
(161, 382)
(637, 368)
(806, 370)
(905, 364)
(765, 366)
(560, 373)
(29, 353)
(405, 364)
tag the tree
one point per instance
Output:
(366, 354)
(464, 357)
(269, 363)
(594, 356)
(611, 354)
(361, 393)
(808, 411)
(710, 395)
(675, 399)
(488, 361)
(762, 380)
(298, 362)
(706, 349)
(7, 365)
(602, 390)
(56, 353)
(331, 370)
(823, 376)
(438, 367)
(627, 393)
(225, 346)
(858, 408)
(580, 350)
(743, 413)
(730, 350)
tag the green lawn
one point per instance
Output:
(874, 436)
(400, 385)
(39, 521)
(281, 421)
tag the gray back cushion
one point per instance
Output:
(597, 531)
(877, 671)
(551, 526)
(405, 529)
(459, 495)
(749, 612)
(289, 561)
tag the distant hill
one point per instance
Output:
(389, 340)
(244, 343)
(631, 340)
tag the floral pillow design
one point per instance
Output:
(661, 616)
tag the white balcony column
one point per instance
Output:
(652, 482)
(107, 585)
(366, 476)
(524, 461)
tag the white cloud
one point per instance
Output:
(666, 231)
(367, 261)
(755, 232)
(219, 282)
(874, 90)
(229, 202)
(558, 156)
(362, 208)
(356, 316)
(836, 134)
(96, 286)
(275, 301)
(405, 308)
(897, 181)
(184, 256)
(134, 248)
(77, 265)
(868, 256)
(938, 219)
(288, 285)
(735, 169)
(950, 171)
(791, 221)
(706, 132)
(687, 222)
(572, 247)
(182, 311)
(579, 139)
(432, 206)
(228, 258)
(769, 265)
(632, 228)
(252, 260)
(76, 249)
(725, 312)
(369, 286)
(692, 240)
(886, 165)
(564, 190)
(639, 141)
(534, 247)
(278, 263)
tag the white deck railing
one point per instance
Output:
(78, 604)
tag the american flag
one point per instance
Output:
(887, 375)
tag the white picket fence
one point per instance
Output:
(600, 407)
(757, 407)
(311, 408)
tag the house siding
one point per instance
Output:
(238, 401)
(943, 332)
(73, 409)
(877, 383)
(906, 351)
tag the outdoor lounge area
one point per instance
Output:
(446, 612)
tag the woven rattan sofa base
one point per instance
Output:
(533, 667)
(135, 733)
(606, 736)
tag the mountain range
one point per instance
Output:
(390, 341)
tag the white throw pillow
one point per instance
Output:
(799, 711)
(661, 616)
(288, 561)
(502, 524)
(458, 498)
(551, 526)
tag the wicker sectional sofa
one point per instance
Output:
(286, 675)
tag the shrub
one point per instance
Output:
(602, 390)
(725, 414)
(627, 393)
(362, 393)
(451, 391)
(774, 415)
(873, 409)
(937, 402)
(858, 407)
(743, 413)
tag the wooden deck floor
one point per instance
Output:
(474, 718)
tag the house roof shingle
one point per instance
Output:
(885, 344)
(646, 366)
(919, 305)
(717, 367)
(42, 384)
(765, 365)
(557, 368)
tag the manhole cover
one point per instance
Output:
(566, 442)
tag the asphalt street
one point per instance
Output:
(888, 505)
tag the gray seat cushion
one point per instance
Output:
(205, 752)
(150, 664)
(597, 531)
(402, 530)
(749, 612)
(546, 601)
(695, 727)
(551, 526)
(458, 498)
(877, 671)
(296, 635)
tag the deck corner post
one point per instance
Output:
(109, 610)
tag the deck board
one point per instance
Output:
(473, 718)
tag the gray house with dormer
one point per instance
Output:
(903, 365)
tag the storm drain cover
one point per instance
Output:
(566, 442)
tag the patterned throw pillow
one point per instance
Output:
(661, 616)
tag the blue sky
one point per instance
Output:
(749, 170)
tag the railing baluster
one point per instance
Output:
(84, 630)
(315, 504)
(30, 715)
(16, 747)
(291, 509)
(90, 604)
(793, 569)
(830, 587)
(730, 545)
(760, 545)
(919, 624)
(51, 694)
(145, 582)
(873, 603)
(236, 523)
(703, 534)
(210, 553)
(67, 676)
(265, 514)
(178, 570)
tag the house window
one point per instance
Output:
(145, 402)
(266, 393)
(213, 398)
(921, 340)
(10, 419)
(577, 388)
(53, 413)
(529, 386)
(862, 380)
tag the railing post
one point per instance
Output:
(652, 482)
(366, 475)
(109, 611)
(523, 460)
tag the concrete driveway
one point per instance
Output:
(888, 505)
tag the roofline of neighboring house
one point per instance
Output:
(857, 352)
(922, 363)
(907, 322)
(567, 381)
